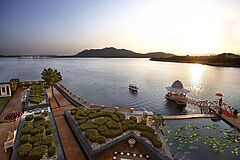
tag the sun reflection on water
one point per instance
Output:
(196, 72)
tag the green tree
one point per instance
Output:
(51, 77)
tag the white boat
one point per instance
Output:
(133, 87)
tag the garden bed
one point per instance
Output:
(36, 97)
(98, 130)
(37, 138)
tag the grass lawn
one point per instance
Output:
(3, 102)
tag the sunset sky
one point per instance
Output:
(69, 26)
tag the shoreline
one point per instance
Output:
(198, 62)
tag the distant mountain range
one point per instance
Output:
(111, 52)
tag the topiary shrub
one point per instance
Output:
(48, 140)
(101, 139)
(29, 117)
(82, 112)
(37, 152)
(26, 130)
(38, 143)
(153, 138)
(45, 113)
(47, 124)
(37, 137)
(49, 131)
(113, 125)
(120, 116)
(51, 151)
(38, 118)
(28, 123)
(25, 138)
(128, 127)
(102, 128)
(101, 120)
(127, 121)
(112, 133)
(91, 134)
(142, 127)
(114, 117)
(77, 117)
(133, 118)
(73, 111)
(82, 121)
(23, 150)
(37, 130)
(88, 125)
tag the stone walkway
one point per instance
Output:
(13, 105)
(70, 146)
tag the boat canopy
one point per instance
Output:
(177, 87)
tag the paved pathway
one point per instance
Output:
(13, 105)
(70, 146)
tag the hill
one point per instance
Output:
(111, 52)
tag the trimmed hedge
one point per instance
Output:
(49, 131)
(120, 116)
(88, 125)
(51, 151)
(37, 130)
(142, 127)
(92, 135)
(73, 111)
(128, 127)
(82, 121)
(28, 123)
(26, 130)
(37, 137)
(38, 118)
(37, 152)
(82, 112)
(127, 121)
(45, 113)
(25, 139)
(48, 140)
(47, 124)
(112, 133)
(29, 117)
(153, 138)
(102, 128)
(101, 139)
(77, 117)
(133, 118)
(113, 125)
(101, 120)
(23, 150)
(38, 143)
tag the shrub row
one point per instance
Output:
(88, 125)
(127, 121)
(142, 127)
(26, 130)
(112, 133)
(37, 152)
(133, 118)
(112, 125)
(120, 116)
(153, 138)
(130, 126)
(37, 130)
(101, 120)
(29, 117)
(23, 150)
(92, 135)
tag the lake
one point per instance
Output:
(105, 81)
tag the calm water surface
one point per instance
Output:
(105, 81)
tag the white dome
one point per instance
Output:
(177, 84)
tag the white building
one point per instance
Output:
(5, 90)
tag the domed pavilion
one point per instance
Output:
(177, 93)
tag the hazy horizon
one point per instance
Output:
(58, 27)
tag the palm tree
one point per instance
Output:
(51, 77)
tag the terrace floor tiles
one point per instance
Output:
(13, 105)
(70, 145)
